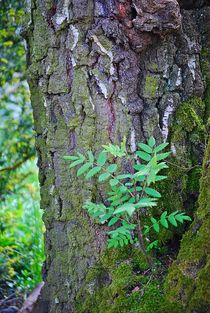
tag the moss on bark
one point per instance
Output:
(187, 283)
(122, 283)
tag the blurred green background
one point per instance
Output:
(21, 227)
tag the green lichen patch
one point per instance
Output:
(151, 86)
(189, 119)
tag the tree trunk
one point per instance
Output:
(187, 284)
(99, 71)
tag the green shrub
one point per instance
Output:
(132, 195)
(21, 234)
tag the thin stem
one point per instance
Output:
(183, 168)
(139, 228)
(16, 165)
(104, 170)
(141, 241)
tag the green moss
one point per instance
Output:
(42, 36)
(189, 119)
(122, 283)
(151, 86)
(187, 282)
(187, 137)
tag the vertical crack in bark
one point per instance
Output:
(111, 112)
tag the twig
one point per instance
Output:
(18, 164)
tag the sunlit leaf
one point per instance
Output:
(143, 155)
(152, 192)
(161, 147)
(145, 147)
(151, 141)
(103, 177)
(112, 168)
(102, 158)
(84, 168)
(93, 172)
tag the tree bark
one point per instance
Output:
(99, 71)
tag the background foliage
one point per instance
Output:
(21, 242)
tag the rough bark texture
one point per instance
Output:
(99, 71)
(187, 284)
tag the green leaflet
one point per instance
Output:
(113, 182)
(151, 141)
(112, 168)
(186, 218)
(146, 202)
(84, 168)
(103, 177)
(120, 200)
(123, 176)
(155, 224)
(102, 158)
(152, 192)
(146, 229)
(145, 147)
(136, 189)
(163, 156)
(115, 150)
(113, 221)
(172, 220)
(93, 172)
(152, 245)
(70, 157)
(90, 156)
(121, 236)
(163, 219)
(75, 163)
(127, 207)
(143, 155)
(161, 147)
(160, 177)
